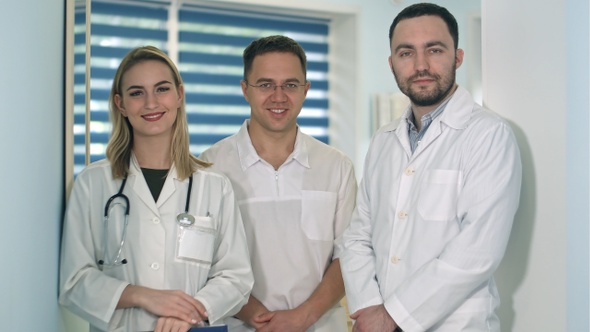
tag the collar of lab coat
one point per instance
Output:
(456, 114)
(249, 156)
(142, 190)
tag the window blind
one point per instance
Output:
(209, 45)
(79, 127)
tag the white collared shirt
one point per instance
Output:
(294, 216)
(431, 227)
(209, 260)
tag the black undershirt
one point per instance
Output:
(155, 179)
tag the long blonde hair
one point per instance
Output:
(121, 140)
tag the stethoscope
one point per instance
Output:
(183, 219)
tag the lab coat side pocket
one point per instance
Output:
(196, 243)
(438, 195)
(317, 214)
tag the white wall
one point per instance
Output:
(578, 165)
(535, 73)
(374, 75)
(31, 136)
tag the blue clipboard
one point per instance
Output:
(217, 328)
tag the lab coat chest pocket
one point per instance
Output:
(438, 195)
(317, 214)
(196, 243)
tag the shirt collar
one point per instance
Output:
(249, 156)
(461, 107)
(428, 117)
(301, 149)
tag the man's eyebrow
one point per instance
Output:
(427, 45)
(404, 46)
(264, 80)
(270, 80)
(437, 43)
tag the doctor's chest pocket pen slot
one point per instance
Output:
(438, 195)
(196, 243)
(317, 214)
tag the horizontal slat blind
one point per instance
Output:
(79, 126)
(210, 46)
(116, 28)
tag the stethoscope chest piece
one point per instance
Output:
(184, 219)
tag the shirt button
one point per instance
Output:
(402, 214)
(395, 259)
(155, 266)
(156, 221)
(409, 171)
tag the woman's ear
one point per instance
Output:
(180, 92)
(119, 102)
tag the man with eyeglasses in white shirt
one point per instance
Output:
(296, 196)
(439, 193)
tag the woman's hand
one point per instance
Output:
(171, 324)
(168, 304)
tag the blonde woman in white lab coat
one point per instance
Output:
(168, 251)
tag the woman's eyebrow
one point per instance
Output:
(141, 86)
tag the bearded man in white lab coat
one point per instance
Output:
(439, 193)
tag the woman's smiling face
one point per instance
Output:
(150, 99)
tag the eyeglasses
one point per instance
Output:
(271, 87)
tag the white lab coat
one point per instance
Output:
(431, 227)
(211, 263)
(294, 218)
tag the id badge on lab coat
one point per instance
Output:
(196, 243)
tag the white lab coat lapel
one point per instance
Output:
(456, 115)
(430, 136)
(401, 131)
(169, 187)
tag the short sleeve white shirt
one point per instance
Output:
(294, 216)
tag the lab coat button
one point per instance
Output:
(156, 221)
(409, 171)
(395, 259)
(402, 214)
(155, 266)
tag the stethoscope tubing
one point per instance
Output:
(120, 194)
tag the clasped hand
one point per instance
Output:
(282, 321)
(177, 310)
(373, 319)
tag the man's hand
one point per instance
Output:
(294, 320)
(373, 319)
(164, 303)
(251, 312)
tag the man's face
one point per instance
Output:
(424, 60)
(275, 111)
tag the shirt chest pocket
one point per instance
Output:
(196, 243)
(438, 195)
(317, 214)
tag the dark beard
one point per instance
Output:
(430, 99)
